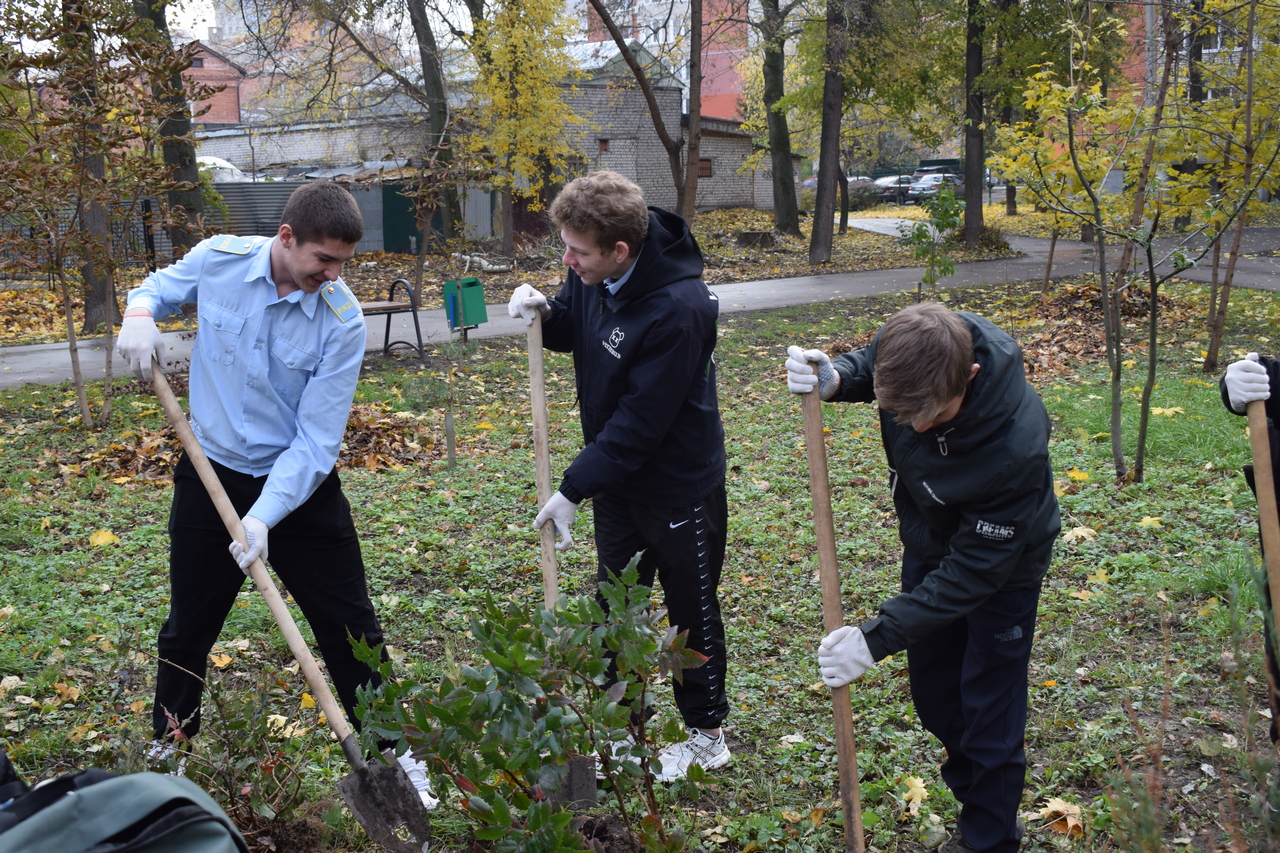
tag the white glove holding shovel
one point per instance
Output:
(139, 340)
(255, 533)
(843, 656)
(526, 302)
(807, 368)
(561, 511)
(1246, 381)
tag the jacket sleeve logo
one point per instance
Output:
(1001, 532)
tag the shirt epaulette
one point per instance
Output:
(231, 244)
(343, 302)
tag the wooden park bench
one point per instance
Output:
(393, 306)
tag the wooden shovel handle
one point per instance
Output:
(1268, 520)
(815, 445)
(542, 459)
(258, 571)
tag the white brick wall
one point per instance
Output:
(613, 112)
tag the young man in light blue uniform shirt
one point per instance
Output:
(273, 375)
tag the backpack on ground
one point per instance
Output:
(99, 812)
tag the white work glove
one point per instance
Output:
(802, 376)
(255, 532)
(1247, 381)
(843, 656)
(138, 341)
(526, 302)
(561, 511)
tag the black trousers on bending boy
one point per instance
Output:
(684, 550)
(969, 686)
(314, 551)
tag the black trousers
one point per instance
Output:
(314, 551)
(684, 549)
(969, 685)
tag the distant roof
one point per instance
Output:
(604, 59)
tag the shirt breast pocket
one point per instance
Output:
(291, 367)
(223, 328)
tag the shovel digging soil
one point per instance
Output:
(578, 790)
(1268, 517)
(380, 796)
(832, 616)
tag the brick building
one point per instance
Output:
(212, 68)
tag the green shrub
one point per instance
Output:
(502, 732)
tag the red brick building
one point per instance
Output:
(213, 69)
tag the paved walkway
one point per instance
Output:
(50, 364)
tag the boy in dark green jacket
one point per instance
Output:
(967, 443)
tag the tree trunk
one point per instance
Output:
(90, 215)
(177, 146)
(1010, 191)
(433, 89)
(786, 207)
(975, 159)
(507, 222)
(693, 144)
(820, 237)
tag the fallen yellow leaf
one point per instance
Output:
(1083, 594)
(1076, 474)
(1066, 817)
(1100, 576)
(1150, 521)
(916, 794)
(1078, 534)
(791, 817)
(220, 661)
(1171, 411)
(103, 537)
(1050, 683)
(307, 701)
(484, 425)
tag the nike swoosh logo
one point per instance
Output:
(673, 525)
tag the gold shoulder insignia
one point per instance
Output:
(231, 244)
(343, 302)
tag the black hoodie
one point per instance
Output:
(646, 379)
(974, 496)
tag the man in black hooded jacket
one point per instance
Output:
(641, 325)
(967, 444)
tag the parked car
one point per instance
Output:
(928, 186)
(894, 187)
(810, 183)
(921, 171)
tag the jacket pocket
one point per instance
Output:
(223, 327)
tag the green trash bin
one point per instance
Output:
(464, 303)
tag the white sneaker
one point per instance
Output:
(701, 749)
(417, 773)
(167, 752)
(619, 751)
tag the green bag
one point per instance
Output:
(99, 812)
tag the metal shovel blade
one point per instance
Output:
(389, 808)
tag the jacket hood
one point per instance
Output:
(998, 390)
(669, 254)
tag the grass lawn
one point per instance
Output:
(1145, 662)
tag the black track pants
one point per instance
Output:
(314, 551)
(969, 685)
(684, 549)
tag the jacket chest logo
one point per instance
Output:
(614, 341)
